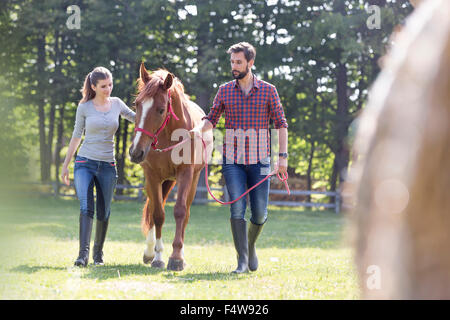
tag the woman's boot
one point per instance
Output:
(253, 233)
(85, 239)
(239, 231)
(100, 235)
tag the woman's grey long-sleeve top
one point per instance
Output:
(100, 128)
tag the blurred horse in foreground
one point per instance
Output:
(398, 189)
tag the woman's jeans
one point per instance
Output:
(103, 174)
(239, 178)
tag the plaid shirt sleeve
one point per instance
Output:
(217, 109)
(276, 109)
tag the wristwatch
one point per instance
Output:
(283, 155)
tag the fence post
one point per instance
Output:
(55, 188)
(337, 202)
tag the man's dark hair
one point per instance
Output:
(247, 48)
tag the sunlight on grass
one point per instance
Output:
(301, 256)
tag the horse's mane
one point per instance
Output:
(157, 78)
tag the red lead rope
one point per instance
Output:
(283, 177)
(170, 113)
(155, 136)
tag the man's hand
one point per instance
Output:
(195, 132)
(282, 166)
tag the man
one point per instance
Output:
(249, 104)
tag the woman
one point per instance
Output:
(97, 115)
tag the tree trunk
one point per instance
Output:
(342, 116)
(343, 121)
(340, 150)
(309, 171)
(265, 20)
(333, 179)
(59, 101)
(44, 160)
(121, 157)
(59, 145)
(51, 130)
(202, 92)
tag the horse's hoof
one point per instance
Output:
(176, 264)
(147, 260)
(158, 264)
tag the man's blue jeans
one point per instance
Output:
(238, 179)
(103, 175)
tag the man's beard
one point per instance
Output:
(240, 75)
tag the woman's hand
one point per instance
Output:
(73, 145)
(65, 175)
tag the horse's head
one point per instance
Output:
(152, 109)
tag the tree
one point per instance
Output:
(320, 55)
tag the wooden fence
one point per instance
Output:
(202, 197)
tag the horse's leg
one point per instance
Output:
(184, 180)
(148, 230)
(190, 199)
(159, 217)
(155, 210)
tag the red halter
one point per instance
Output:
(155, 136)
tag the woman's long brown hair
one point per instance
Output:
(92, 78)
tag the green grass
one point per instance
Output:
(301, 256)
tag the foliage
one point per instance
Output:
(320, 55)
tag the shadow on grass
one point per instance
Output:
(109, 272)
(33, 269)
(209, 276)
(96, 272)
(286, 228)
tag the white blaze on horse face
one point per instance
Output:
(146, 106)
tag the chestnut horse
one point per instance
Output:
(161, 108)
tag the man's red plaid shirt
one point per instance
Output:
(251, 114)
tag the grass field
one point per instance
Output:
(301, 256)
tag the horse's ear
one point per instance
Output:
(143, 74)
(168, 82)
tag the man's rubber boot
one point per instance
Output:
(254, 231)
(239, 232)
